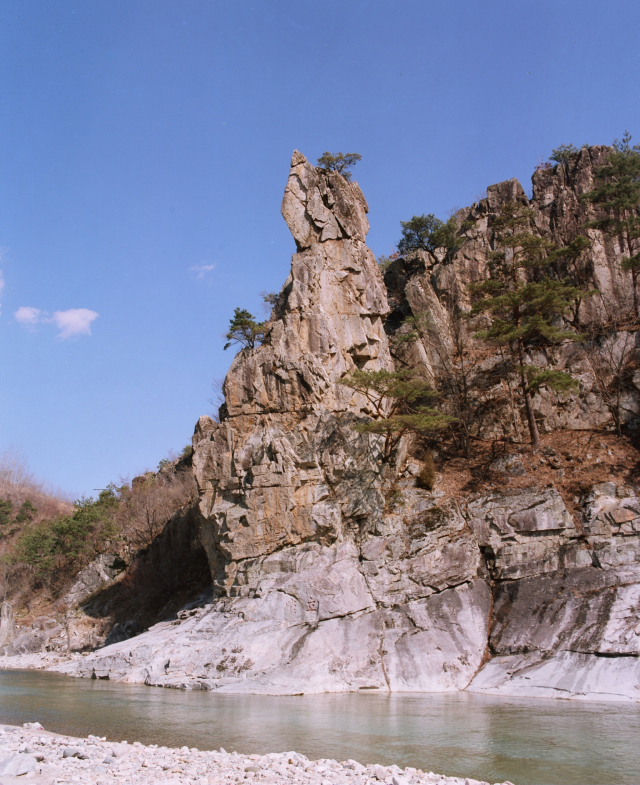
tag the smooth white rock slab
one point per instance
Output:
(564, 675)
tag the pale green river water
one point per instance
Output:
(484, 737)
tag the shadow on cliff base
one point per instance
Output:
(164, 577)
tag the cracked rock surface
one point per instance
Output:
(326, 580)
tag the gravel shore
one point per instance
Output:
(39, 661)
(31, 754)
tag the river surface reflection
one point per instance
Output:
(484, 737)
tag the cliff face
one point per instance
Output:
(285, 467)
(428, 286)
(560, 215)
(332, 569)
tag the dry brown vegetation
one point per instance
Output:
(45, 543)
(149, 501)
(18, 485)
(572, 461)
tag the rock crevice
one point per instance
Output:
(323, 580)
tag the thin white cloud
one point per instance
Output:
(1, 284)
(75, 321)
(201, 269)
(27, 315)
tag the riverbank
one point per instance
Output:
(38, 661)
(54, 759)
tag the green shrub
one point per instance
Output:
(8, 523)
(428, 233)
(6, 509)
(66, 544)
(26, 512)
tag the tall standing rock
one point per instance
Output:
(326, 581)
(285, 466)
(323, 581)
(7, 625)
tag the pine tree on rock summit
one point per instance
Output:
(342, 163)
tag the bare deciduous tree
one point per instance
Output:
(456, 366)
(610, 352)
(151, 500)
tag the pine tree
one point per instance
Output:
(523, 310)
(617, 194)
(244, 329)
(342, 163)
(455, 368)
(5, 511)
(402, 404)
(563, 154)
(428, 233)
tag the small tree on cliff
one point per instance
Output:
(401, 403)
(522, 310)
(617, 194)
(244, 329)
(428, 233)
(455, 369)
(341, 163)
(562, 154)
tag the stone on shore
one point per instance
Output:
(41, 757)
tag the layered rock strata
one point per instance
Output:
(333, 570)
(322, 585)
(566, 615)
(284, 467)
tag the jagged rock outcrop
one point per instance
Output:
(284, 467)
(332, 569)
(322, 583)
(432, 286)
(551, 603)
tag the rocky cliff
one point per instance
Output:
(332, 569)
(434, 287)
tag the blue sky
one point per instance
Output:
(144, 149)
